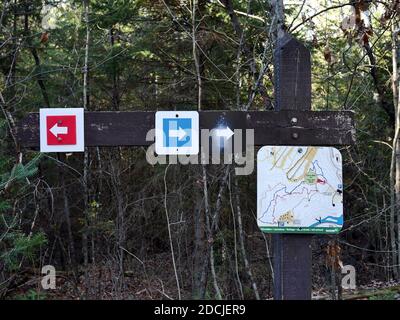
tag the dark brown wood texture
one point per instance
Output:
(292, 252)
(292, 75)
(276, 128)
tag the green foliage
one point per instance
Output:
(20, 171)
(4, 205)
(388, 295)
(31, 294)
(20, 246)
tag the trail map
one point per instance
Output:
(299, 189)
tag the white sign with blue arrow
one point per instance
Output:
(177, 132)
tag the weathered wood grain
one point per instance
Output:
(292, 252)
(130, 128)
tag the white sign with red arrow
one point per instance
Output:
(62, 130)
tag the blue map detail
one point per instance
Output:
(329, 219)
(171, 125)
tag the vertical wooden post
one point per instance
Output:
(292, 252)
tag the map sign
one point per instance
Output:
(299, 189)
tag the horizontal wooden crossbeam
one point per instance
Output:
(288, 127)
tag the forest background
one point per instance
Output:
(116, 227)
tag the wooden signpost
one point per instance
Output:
(292, 252)
(130, 128)
(291, 124)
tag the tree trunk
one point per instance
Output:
(120, 225)
(279, 18)
(200, 262)
(86, 169)
(35, 55)
(241, 241)
(395, 162)
(199, 247)
(115, 78)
